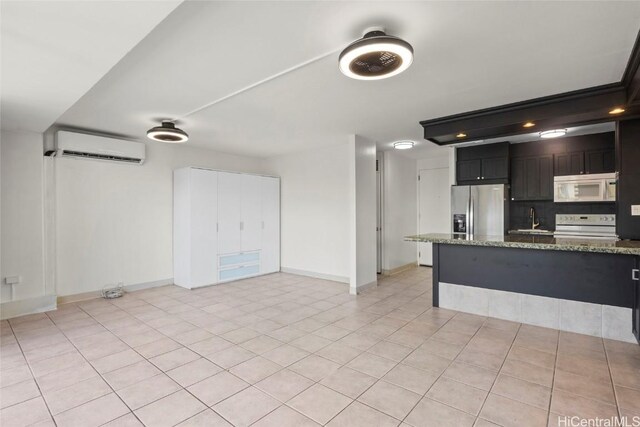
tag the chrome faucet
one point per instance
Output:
(532, 215)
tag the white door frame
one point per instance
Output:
(379, 210)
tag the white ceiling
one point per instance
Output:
(468, 55)
(54, 51)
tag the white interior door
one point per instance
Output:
(434, 206)
(204, 236)
(270, 254)
(251, 213)
(229, 209)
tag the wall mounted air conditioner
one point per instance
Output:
(85, 146)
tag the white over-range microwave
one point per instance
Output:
(599, 187)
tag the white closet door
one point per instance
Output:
(229, 208)
(251, 213)
(204, 236)
(270, 190)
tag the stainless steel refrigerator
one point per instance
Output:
(480, 209)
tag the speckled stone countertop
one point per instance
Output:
(623, 247)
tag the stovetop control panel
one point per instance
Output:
(589, 219)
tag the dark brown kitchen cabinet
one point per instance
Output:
(532, 178)
(469, 170)
(495, 168)
(599, 161)
(518, 179)
(569, 163)
(483, 164)
(583, 162)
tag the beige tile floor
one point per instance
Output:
(286, 350)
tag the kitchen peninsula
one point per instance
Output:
(584, 286)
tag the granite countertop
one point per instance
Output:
(623, 247)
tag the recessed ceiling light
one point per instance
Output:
(167, 132)
(375, 56)
(554, 133)
(461, 135)
(528, 125)
(403, 145)
(617, 110)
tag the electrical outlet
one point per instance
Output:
(635, 210)
(12, 280)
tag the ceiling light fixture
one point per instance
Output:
(617, 110)
(167, 132)
(375, 56)
(403, 145)
(554, 133)
(528, 125)
(461, 135)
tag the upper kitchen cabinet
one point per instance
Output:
(568, 163)
(600, 161)
(483, 164)
(532, 178)
(586, 154)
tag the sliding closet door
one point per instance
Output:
(270, 191)
(251, 222)
(204, 236)
(229, 212)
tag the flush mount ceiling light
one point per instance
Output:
(461, 135)
(375, 56)
(617, 110)
(403, 145)
(167, 132)
(554, 133)
(528, 125)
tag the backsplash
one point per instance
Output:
(546, 212)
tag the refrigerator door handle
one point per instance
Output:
(471, 217)
(468, 217)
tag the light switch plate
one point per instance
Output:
(635, 210)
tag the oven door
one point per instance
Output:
(583, 190)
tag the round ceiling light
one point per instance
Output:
(375, 56)
(167, 132)
(554, 133)
(403, 145)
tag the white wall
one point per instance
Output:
(400, 210)
(21, 215)
(442, 159)
(114, 221)
(315, 211)
(362, 171)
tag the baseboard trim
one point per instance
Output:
(315, 275)
(399, 269)
(128, 288)
(11, 309)
(358, 289)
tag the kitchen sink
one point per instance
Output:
(532, 231)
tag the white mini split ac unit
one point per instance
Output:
(85, 146)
